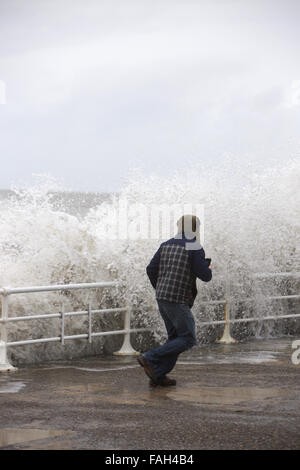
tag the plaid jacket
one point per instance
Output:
(173, 271)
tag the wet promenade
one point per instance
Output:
(244, 396)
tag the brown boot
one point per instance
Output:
(165, 382)
(147, 368)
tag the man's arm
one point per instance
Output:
(152, 268)
(199, 265)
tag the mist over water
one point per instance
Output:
(251, 225)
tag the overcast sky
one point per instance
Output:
(96, 87)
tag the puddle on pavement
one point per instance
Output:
(224, 396)
(83, 388)
(105, 370)
(10, 436)
(237, 358)
(11, 387)
(252, 352)
(91, 369)
(196, 394)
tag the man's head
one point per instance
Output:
(189, 225)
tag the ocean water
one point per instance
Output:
(251, 221)
(73, 203)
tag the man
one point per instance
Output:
(172, 272)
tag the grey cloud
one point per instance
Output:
(95, 87)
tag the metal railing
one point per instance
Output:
(226, 337)
(126, 348)
(5, 293)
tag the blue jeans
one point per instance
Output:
(180, 325)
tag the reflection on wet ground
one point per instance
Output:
(11, 386)
(226, 395)
(15, 435)
(254, 352)
(231, 396)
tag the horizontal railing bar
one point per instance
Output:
(58, 315)
(80, 336)
(31, 317)
(244, 320)
(283, 274)
(251, 299)
(271, 297)
(273, 317)
(33, 341)
(132, 330)
(278, 297)
(103, 310)
(102, 333)
(23, 290)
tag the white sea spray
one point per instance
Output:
(251, 225)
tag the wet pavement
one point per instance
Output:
(240, 396)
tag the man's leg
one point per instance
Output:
(170, 360)
(180, 326)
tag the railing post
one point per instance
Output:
(226, 337)
(127, 349)
(5, 366)
(90, 322)
(63, 324)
